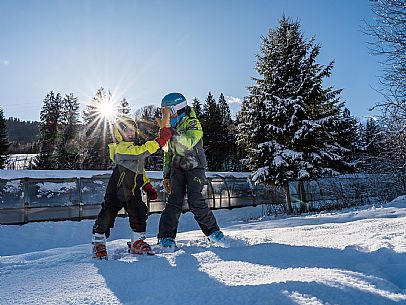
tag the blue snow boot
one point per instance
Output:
(216, 237)
(168, 244)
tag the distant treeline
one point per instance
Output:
(22, 135)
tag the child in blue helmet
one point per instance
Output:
(184, 172)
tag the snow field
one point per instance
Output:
(347, 257)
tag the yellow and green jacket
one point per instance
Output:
(129, 160)
(185, 149)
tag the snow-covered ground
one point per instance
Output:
(20, 161)
(347, 257)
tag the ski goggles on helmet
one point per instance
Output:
(175, 108)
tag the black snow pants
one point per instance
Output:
(192, 182)
(114, 202)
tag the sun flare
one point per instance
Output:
(107, 110)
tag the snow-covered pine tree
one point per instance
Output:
(348, 136)
(289, 124)
(4, 142)
(391, 152)
(66, 154)
(372, 137)
(48, 131)
(197, 106)
(97, 134)
(371, 146)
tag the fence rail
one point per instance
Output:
(25, 200)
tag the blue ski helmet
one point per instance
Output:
(172, 99)
(177, 103)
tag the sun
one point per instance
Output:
(107, 110)
(103, 112)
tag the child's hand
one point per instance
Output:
(151, 192)
(165, 121)
(164, 136)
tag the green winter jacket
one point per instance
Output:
(185, 149)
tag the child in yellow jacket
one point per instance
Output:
(124, 187)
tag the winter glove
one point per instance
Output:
(151, 192)
(164, 136)
(167, 185)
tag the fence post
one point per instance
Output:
(302, 196)
(26, 198)
(288, 199)
(80, 203)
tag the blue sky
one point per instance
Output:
(142, 50)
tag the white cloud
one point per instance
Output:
(233, 100)
(6, 62)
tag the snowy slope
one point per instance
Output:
(348, 257)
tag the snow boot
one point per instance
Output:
(216, 236)
(217, 239)
(139, 245)
(168, 244)
(99, 246)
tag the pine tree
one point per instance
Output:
(225, 113)
(289, 124)
(373, 137)
(124, 109)
(371, 146)
(197, 106)
(4, 143)
(347, 135)
(227, 137)
(392, 156)
(97, 133)
(212, 130)
(67, 149)
(49, 117)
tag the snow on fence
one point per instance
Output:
(20, 161)
(30, 199)
(38, 198)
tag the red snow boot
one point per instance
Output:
(99, 251)
(141, 247)
(99, 246)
